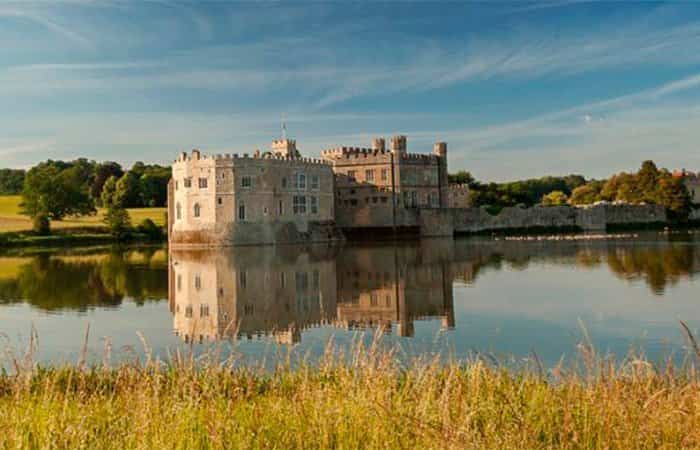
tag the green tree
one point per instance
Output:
(118, 221)
(109, 190)
(56, 190)
(461, 177)
(587, 194)
(11, 181)
(554, 198)
(127, 193)
(104, 172)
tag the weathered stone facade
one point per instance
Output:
(380, 188)
(276, 197)
(281, 197)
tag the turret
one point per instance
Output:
(440, 149)
(398, 144)
(286, 148)
(378, 144)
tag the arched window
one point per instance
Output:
(178, 211)
(197, 209)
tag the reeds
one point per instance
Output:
(363, 397)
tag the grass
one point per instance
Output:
(363, 399)
(12, 221)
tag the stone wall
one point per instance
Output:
(445, 222)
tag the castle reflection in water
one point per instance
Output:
(281, 291)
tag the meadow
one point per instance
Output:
(364, 398)
(12, 221)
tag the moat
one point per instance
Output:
(461, 297)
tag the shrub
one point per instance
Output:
(150, 229)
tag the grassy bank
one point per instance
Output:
(365, 401)
(15, 229)
(12, 221)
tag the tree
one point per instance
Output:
(11, 181)
(554, 198)
(127, 193)
(672, 193)
(587, 194)
(55, 190)
(109, 190)
(103, 172)
(118, 221)
(461, 177)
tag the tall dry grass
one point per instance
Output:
(361, 398)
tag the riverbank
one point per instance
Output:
(363, 400)
(74, 237)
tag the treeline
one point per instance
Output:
(524, 192)
(11, 181)
(52, 190)
(648, 185)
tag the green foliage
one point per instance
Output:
(649, 185)
(526, 192)
(150, 229)
(57, 189)
(461, 177)
(41, 225)
(127, 193)
(118, 221)
(587, 194)
(109, 191)
(11, 181)
(104, 172)
(554, 198)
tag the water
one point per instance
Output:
(454, 297)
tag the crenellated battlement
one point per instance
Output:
(196, 155)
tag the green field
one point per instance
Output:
(12, 220)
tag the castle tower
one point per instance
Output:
(378, 144)
(398, 144)
(286, 148)
(440, 149)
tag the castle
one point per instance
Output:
(281, 197)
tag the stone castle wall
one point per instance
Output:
(446, 222)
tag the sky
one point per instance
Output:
(517, 89)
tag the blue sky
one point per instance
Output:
(517, 89)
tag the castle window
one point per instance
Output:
(300, 180)
(315, 182)
(384, 174)
(353, 202)
(188, 311)
(178, 211)
(265, 210)
(246, 182)
(187, 182)
(197, 210)
(203, 183)
(203, 310)
(414, 199)
(384, 199)
(176, 184)
(243, 278)
(299, 204)
(179, 282)
(351, 175)
(314, 204)
(198, 282)
(220, 201)
(374, 199)
(284, 182)
(241, 211)
(280, 208)
(369, 175)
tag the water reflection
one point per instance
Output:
(280, 291)
(78, 282)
